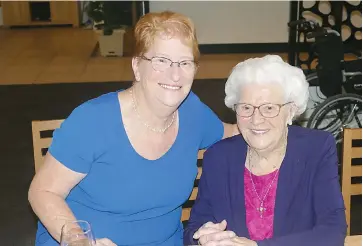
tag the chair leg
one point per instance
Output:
(347, 212)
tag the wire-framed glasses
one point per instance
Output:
(161, 64)
(267, 110)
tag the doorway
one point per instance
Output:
(132, 11)
(123, 13)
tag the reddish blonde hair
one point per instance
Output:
(166, 23)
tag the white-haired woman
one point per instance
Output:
(275, 184)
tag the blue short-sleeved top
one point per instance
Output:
(125, 197)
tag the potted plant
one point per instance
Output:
(109, 26)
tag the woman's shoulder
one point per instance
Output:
(92, 114)
(100, 102)
(310, 142)
(228, 148)
(231, 143)
(224, 157)
(309, 136)
(192, 102)
(95, 107)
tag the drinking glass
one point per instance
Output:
(77, 233)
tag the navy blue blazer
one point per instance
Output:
(309, 207)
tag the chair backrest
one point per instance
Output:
(42, 137)
(188, 205)
(351, 167)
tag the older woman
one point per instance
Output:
(126, 161)
(275, 184)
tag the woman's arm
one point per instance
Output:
(212, 128)
(330, 227)
(201, 211)
(48, 191)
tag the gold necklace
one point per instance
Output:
(147, 124)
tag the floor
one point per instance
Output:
(44, 74)
(67, 55)
(64, 55)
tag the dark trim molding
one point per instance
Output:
(146, 6)
(243, 48)
(294, 15)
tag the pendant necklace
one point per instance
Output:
(261, 209)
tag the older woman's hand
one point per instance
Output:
(211, 232)
(236, 241)
(242, 241)
(105, 242)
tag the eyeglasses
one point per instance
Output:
(268, 110)
(161, 64)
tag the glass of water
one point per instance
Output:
(77, 233)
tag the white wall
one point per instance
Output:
(234, 21)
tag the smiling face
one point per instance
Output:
(261, 133)
(171, 86)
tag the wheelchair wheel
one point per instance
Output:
(336, 113)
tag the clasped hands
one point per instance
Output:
(211, 234)
(105, 242)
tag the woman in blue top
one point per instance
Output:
(126, 161)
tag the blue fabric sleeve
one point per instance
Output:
(74, 144)
(211, 126)
(202, 210)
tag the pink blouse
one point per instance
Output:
(260, 225)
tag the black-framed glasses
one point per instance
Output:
(161, 64)
(267, 110)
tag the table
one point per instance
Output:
(353, 240)
(349, 241)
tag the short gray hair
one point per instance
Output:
(268, 69)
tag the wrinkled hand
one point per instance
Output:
(105, 242)
(242, 241)
(235, 241)
(213, 234)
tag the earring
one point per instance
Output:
(289, 122)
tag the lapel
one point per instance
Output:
(236, 189)
(289, 178)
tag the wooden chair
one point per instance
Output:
(42, 143)
(348, 170)
(188, 205)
